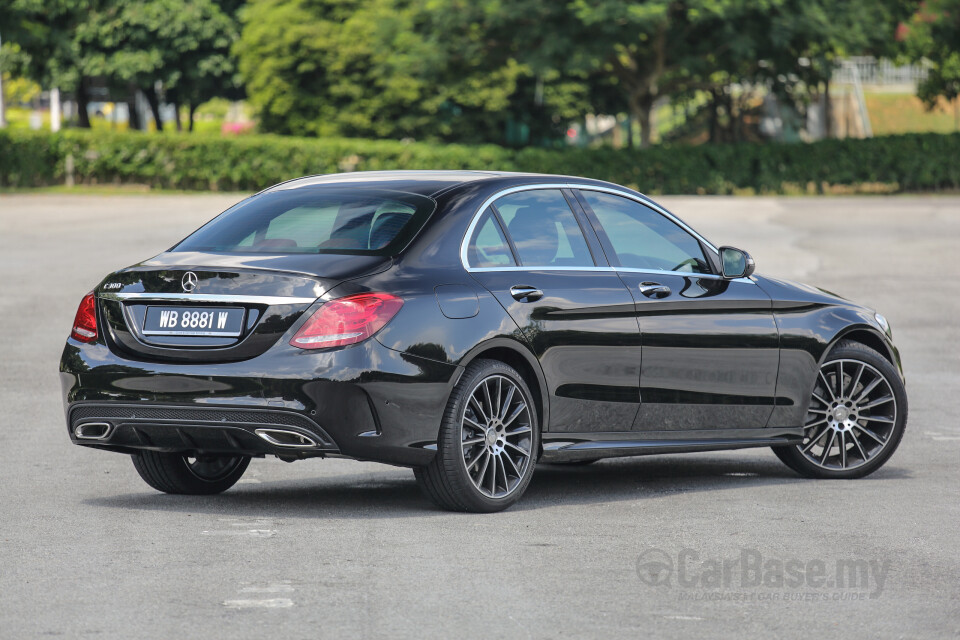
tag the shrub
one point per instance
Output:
(912, 162)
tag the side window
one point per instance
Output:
(643, 238)
(488, 247)
(543, 229)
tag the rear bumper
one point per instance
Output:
(127, 428)
(366, 402)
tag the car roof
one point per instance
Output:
(426, 183)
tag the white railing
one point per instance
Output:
(869, 70)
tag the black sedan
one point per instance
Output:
(469, 325)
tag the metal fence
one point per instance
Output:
(877, 72)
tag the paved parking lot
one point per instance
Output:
(707, 545)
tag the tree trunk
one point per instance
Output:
(643, 117)
(176, 115)
(827, 109)
(736, 118)
(83, 99)
(714, 125)
(641, 82)
(652, 87)
(133, 122)
(641, 108)
(191, 109)
(154, 101)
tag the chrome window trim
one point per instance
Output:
(205, 297)
(686, 274)
(465, 242)
(531, 269)
(653, 272)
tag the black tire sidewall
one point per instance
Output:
(170, 473)
(793, 458)
(450, 449)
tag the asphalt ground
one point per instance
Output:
(713, 545)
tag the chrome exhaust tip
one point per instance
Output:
(93, 431)
(288, 439)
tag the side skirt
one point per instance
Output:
(569, 447)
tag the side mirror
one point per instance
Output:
(736, 263)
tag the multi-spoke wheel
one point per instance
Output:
(488, 440)
(855, 419)
(497, 436)
(177, 473)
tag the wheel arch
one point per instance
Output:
(868, 337)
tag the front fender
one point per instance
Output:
(811, 321)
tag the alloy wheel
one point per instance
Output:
(496, 436)
(851, 417)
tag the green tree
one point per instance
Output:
(202, 66)
(329, 67)
(806, 38)
(39, 43)
(184, 45)
(178, 46)
(501, 66)
(646, 49)
(933, 35)
(442, 69)
(670, 48)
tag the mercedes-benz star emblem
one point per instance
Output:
(189, 281)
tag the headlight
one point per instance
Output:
(883, 324)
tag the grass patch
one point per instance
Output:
(892, 113)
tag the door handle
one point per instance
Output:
(654, 289)
(525, 293)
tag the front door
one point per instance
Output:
(530, 251)
(710, 345)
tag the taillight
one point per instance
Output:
(347, 320)
(85, 322)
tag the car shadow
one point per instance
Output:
(394, 493)
(648, 477)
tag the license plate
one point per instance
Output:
(193, 321)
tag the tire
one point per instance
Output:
(180, 474)
(862, 418)
(471, 445)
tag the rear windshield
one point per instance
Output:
(315, 220)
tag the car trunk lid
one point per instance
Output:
(204, 307)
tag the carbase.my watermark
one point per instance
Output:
(751, 576)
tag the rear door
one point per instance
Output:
(529, 250)
(710, 345)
